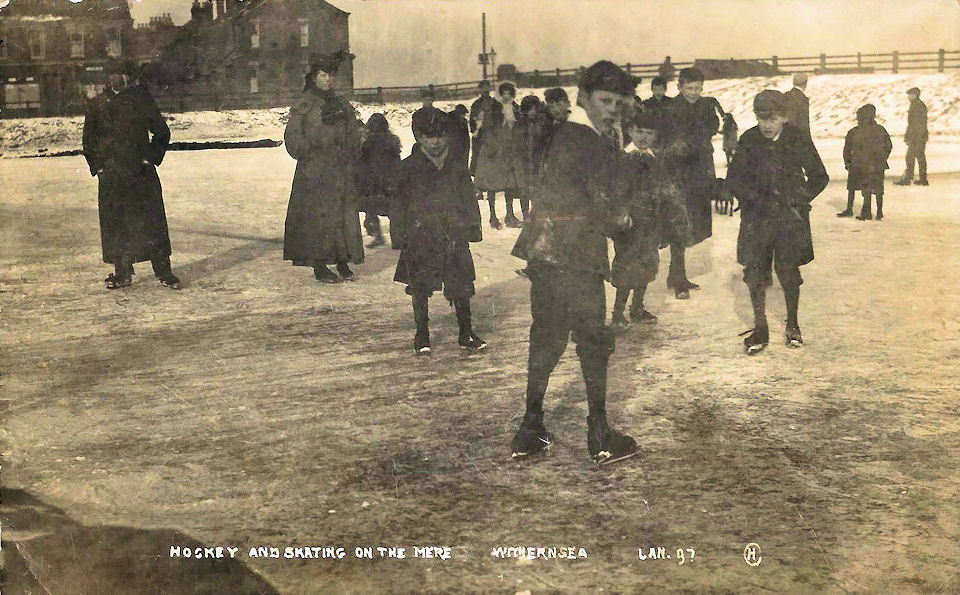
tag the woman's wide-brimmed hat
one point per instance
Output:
(329, 63)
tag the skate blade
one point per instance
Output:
(755, 349)
(610, 461)
(472, 350)
(423, 351)
(793, 344)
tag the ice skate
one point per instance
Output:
(472, 343)
(421, 343)
(607, 445)
(114, 282)
(620, 324)
(845, 213)
(879, 216)
(682, 293)
(325, 275)
(921, 182)
(345, 273)
(531, 438)
(794, 339)
(642, 316)
(171, 281)
(757, 340)
(903, 181)
(865, 216)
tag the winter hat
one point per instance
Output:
(768, 102)
(606, 76)
(378, 123)
(529, 102)
(484, 84)
(866, 114)
(554, 95)
(460, 110)
(430, 121)
(505, 87)
(690, 75)
(328, 63)
(913, 91)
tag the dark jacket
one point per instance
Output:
(323, 221)
(434, 212)
(377, 174)
(573, 203)
(460, 140)
(686, 133)
(532, 131)
(775, 181)
(917, 123)
(867, 148)
(798, 109)
(125, 138)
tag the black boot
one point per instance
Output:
(492, 202)
(421, 342)
(848, 212)
(322, 273)
(532, 437)
(879, 207)
(345, 273)
(619, 322)
(164, 272)
(468, 339)
(865, 212)
(760, 333)
(604, 442)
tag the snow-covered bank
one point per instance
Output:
(834, 100)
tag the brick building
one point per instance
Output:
(54, 53)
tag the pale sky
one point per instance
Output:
(401, 42)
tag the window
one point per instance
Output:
(36, 45)
(254, 77)
(22, 95)
(76, 44)
(255, 36)
(114, 45)
(304, 33)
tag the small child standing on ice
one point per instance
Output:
(379, 159)
(865, 153)
(435, 216)
(643, 191)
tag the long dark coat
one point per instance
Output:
(500, 163)
(124, 140)
(433, 218)
(865, 152)
(775, 181)
(460, 139)
(323, 220)
(480, 105)
(798, 109)
(377, 174)
(637, 258)
(686, 133)
(574, 207)
(917, 123)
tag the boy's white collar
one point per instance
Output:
(578, 115)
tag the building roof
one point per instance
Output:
(53, 10)
(254, 5)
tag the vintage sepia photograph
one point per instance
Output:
(463, 296)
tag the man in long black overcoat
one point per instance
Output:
(124, 140)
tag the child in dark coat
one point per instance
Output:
(435, 215)
(637, 258)
(379, 159)
(865, 153)
(775, 173)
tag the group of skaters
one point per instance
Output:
(607, 167)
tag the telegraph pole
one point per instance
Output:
(483, 59)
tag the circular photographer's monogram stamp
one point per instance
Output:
(751, 554)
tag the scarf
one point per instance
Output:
(440, 159)
(509, 118)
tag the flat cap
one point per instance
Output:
(769, 101)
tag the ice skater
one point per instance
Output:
(500, 163)
(565, 246)
(865, 153)
(916, 139)
(435, 216)
(377, 174)
(125, 138)
(775, 174)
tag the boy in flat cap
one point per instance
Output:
(482, 104)
(125, 138)
(775, 173)
(565, 246)
(916, 139)
(435, 215)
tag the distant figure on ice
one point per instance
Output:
(689, 123)
(124, 140)
(916, 139)
(323, 219)
(499, 163)
(565, 246)
(798, 105)
(556, 111)
(377, 174)
(775, 174)
(666, 70)
(531, 130)
(482, 104)
(658, 99)
(865, 153)
(653, 204)
(460, 140)
(435, 215)
(427, 96)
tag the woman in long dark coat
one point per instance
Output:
(125, 139)
(379, 159)
(323, 218)
(499, 165)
